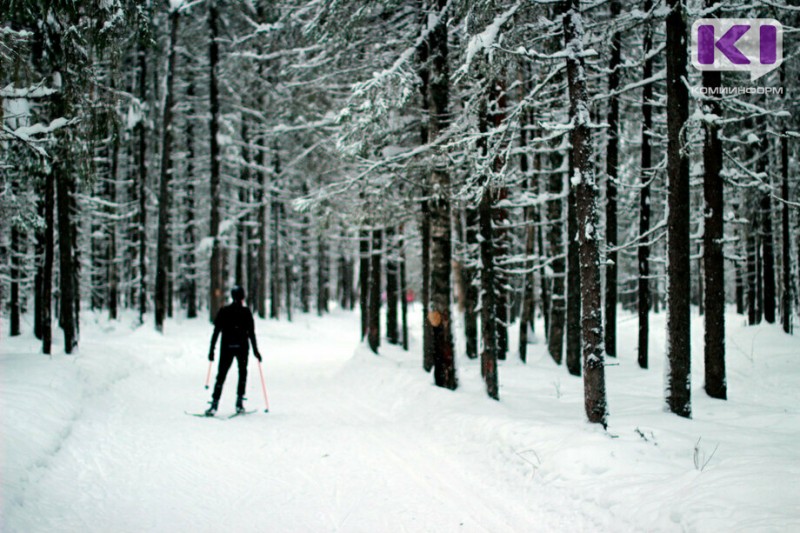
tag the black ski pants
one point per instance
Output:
(226, 357)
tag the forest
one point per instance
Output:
(505, 163)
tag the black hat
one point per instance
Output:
(237, 293)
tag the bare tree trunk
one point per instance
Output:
(573, 286)
(164, 200)
(15, 272)
(141, 161)
(439, 317)
(678, 220)
(586, 195)
(612, 162)
(786, 260)
(216, 298)
(555, 237)
(643, 250)
(190, 233)
(713, 235)
(423, 71)
(261, 198)
(322, 276)
(471, 292)
(374, 328)
(275, 252)
(392, 332)
(488, 304)
(768, 247)
(47, 271)
(363, 280)
(403, 288)
(112, 273)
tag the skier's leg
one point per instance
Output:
(241, 359)
(225, 360)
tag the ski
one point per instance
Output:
(242, 413)
(201, 415)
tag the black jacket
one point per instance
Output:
(235, 322)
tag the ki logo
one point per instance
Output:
(751, 45)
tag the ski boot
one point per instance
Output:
(240, 404)
(211, 411)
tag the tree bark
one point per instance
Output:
(392, 331)
(713, 235)
(363, 279)
(573, 343)
(374, 327)
(488, 305)
(49, 256)
(586, 194)
(646, 177)
(786, 260)
(403, 288)
(612, 162)
(190, 233)
(164, 201)
(216, 297)
(141, 162)
(767, 243)
(555, 237)
(678, 220)
(439, 317)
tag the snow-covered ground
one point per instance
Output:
(355, 442)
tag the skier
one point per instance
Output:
(235, 321)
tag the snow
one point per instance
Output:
(98, 441)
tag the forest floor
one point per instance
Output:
(99, 441)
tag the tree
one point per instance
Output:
(678, 267)
(713, 237)
(164, 200)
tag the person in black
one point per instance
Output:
(235, 322)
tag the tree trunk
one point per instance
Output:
(112, 274)
(261, 198)
(216, 269)
(190, 234)
(374, 326)
(275, 252)
(586, 209)
(322, 276)
(403, 288)
(363, 280)
(767, 243)
(643, 249)
(713, 235)
(751, 245)
(573, 285)
(164, 201)
(47, 271)
(392, 332)
(678, 220)
(67, 318)
(305, 264)
(141, 162)
(423, 71)
(786, 261)
(15, 272)
(612, 162)
(471, 292)
(555, 237)
(439, 317)
(488, 304)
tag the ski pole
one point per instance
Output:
(208, 376)
(263, 388)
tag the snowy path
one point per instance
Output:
(328, 457)
(359, 443)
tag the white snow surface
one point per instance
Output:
(99, 441)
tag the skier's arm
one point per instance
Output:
(252, 333)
